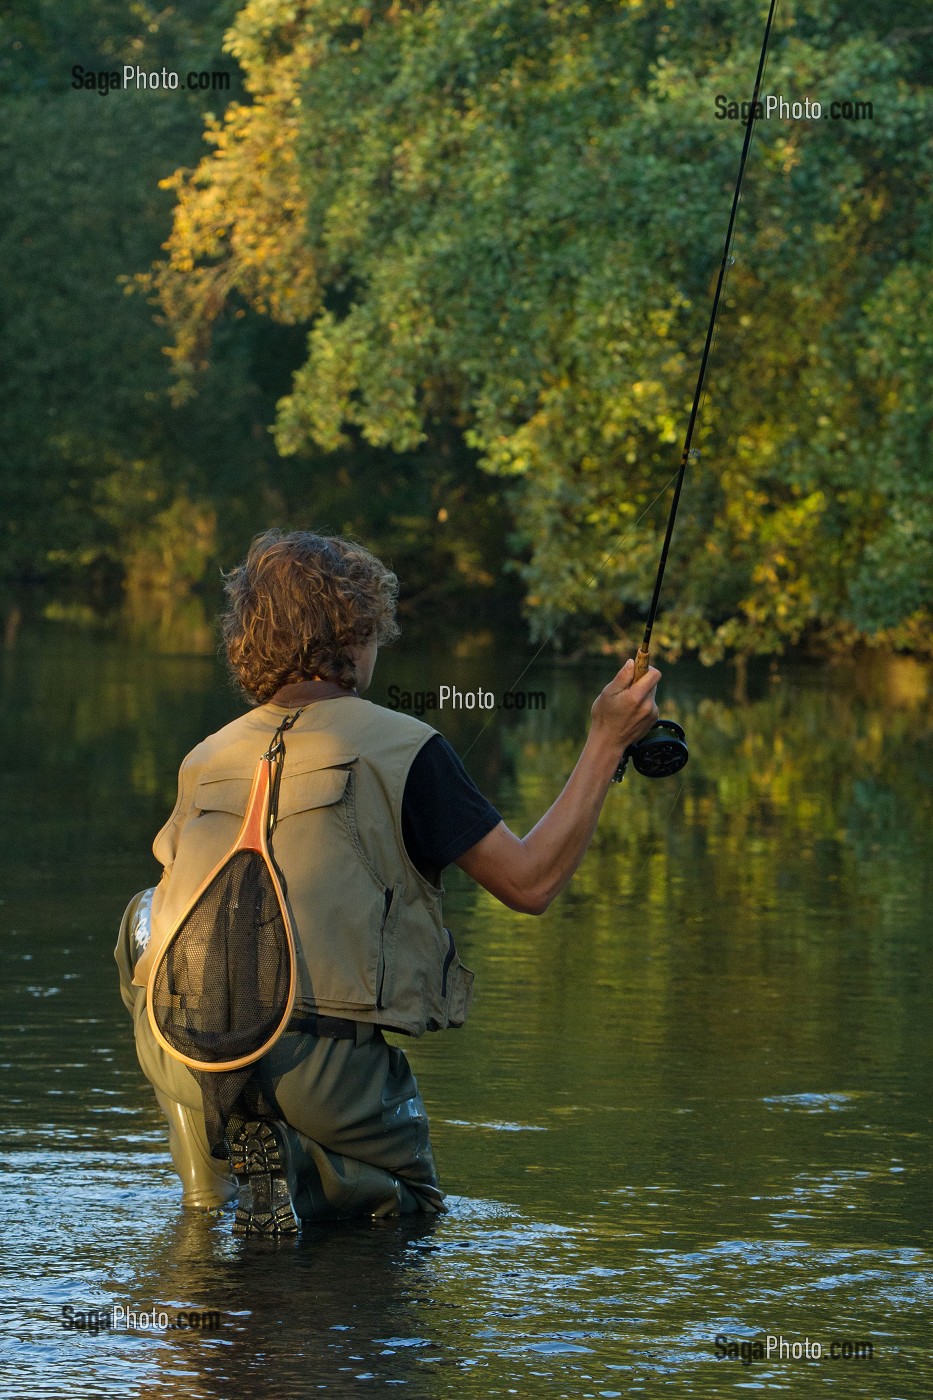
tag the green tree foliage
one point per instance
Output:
(93, 465)
(506, 218)
(105, 488)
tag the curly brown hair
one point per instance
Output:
(300, 604)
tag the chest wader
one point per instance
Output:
(221, 992)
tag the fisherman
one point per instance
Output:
(374, 804)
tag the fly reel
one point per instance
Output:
(660, 754)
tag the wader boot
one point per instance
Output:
(257, 1159)
(206, 1181)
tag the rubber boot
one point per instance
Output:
(206, 1181)
(258, 1160)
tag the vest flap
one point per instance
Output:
(303, 788)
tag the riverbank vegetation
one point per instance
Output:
(440, 278)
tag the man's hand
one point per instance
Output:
(527, 874)
(625, 709)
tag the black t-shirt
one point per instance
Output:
(444, 813)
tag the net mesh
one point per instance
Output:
(221, 988)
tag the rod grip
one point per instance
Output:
(642, 659)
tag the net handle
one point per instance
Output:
(254, 833)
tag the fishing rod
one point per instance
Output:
(663, 750)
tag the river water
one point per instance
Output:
(691, 1101)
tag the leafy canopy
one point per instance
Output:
(507, 218)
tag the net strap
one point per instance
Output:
(275, 754)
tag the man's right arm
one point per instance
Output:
(528, 873)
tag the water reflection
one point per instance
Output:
(336, 1307)
(691, 1100)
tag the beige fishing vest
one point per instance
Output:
(371, 942)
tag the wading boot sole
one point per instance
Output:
(257, 1162)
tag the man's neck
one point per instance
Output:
(306, 692)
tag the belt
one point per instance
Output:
(331, 1027)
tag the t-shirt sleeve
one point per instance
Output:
(444, 813)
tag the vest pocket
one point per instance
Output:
(456, 985)
(302, 790)
(387, 948)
